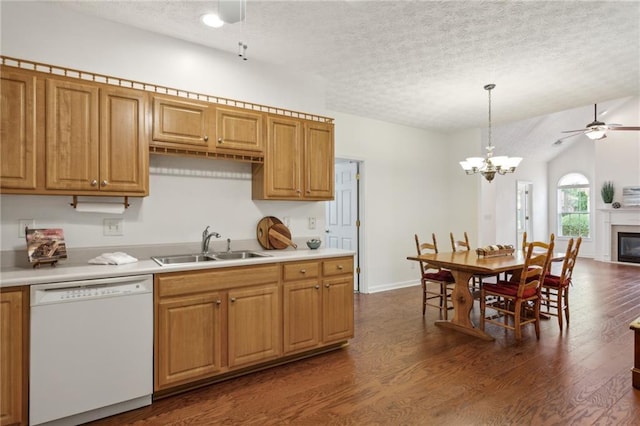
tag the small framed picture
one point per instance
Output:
(45, 245)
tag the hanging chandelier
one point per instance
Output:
(488, 166)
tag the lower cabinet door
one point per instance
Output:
(301, 307)
(254, 325)
(189, 339)
(337, 309)
(13, 356)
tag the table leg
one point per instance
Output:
(462, 304)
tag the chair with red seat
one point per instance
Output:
(520, 299)
(433, 276)
(555, 288)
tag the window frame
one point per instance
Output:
(560, 213)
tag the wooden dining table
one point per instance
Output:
(464, 265)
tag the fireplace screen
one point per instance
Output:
(629, 247)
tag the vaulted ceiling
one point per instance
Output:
(424, 63)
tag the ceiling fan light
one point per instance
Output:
(212, 20)
(597, 134)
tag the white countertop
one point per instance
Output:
(12, 277)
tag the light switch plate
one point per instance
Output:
(112, 227)
(312, 222)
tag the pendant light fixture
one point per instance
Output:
(488, 166)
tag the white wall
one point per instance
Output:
(407, 189)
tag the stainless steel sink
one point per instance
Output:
(196, 258)
(240, 254)
(182, 258)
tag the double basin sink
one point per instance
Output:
(209, 257)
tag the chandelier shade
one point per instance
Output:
(489, 165)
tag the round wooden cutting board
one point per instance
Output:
(273, 234)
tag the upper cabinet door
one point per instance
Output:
(72, 123)
(17, 130)
(124, 142)
(318, 161)
(283, 158)
(178, 122)
(239, 130)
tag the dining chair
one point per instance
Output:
(555, 288)
(520, 300)
(437, 283)
(477, 279)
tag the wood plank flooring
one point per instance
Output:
(401, 369)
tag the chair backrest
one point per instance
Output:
(569, 261)
(462, 245)
(524, 240)
(424, 248)
(537, 261)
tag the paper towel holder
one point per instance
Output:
(75, 202)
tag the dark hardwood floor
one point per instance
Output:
(401, 369)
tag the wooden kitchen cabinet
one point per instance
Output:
(192, 125)
(298, 163)
(14, 357)
(302, 297)
(96, 139)
(189, 338)
(182, 123)
(17, 129)
(210, 322)
(239, 130)
(254, 325)
(217, 323)
(318, 303)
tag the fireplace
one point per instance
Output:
(629, 247)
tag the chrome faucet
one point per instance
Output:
(206, 236)
(228, 244)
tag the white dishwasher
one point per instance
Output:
(91, 349)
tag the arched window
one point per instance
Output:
(574, 215)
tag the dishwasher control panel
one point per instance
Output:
(90, 289)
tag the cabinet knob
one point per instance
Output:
(94, 182)
(327, 285)
(298, 191)
(303, 271)
(104, 183)
(218, 302)
(206, 138)
(339, 267)
(308, 191)
(233, 299)
(220, 140)
(316, 286)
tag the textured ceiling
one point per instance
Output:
(424, 63)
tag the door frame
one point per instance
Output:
(528, 214)
(360, 282)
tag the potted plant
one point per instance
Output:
(607, 192)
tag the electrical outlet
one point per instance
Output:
(112, 227)
(24, 223)
(312, 222)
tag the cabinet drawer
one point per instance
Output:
(182, 283)
(300, 270)
(343, 265)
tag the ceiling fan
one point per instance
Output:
(597, 130)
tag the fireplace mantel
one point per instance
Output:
(629, 216)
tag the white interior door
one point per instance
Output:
(342, 213)
(523, 211)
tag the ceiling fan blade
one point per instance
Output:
(573, 131)
(625, 128)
